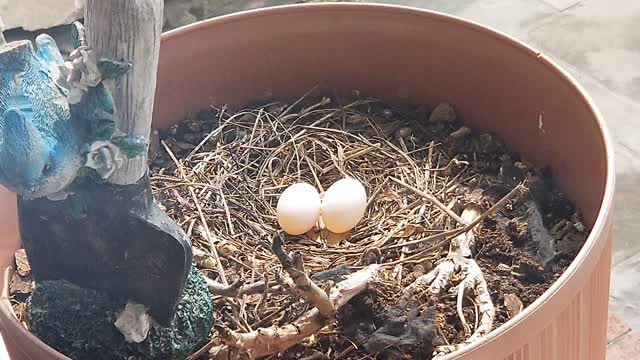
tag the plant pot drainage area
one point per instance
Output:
(458, 233)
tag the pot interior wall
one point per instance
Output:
(398, 55)
(402, 56)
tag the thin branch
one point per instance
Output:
(304, 287)
(239, 288)
(266, 341)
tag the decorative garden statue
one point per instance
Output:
(76, 158)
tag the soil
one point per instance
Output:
(510, 245)
(521, 249)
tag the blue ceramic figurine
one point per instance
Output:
(57, 117)
(59, 146)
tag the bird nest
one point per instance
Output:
(455, 226)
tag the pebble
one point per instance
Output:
(461, 133)
(403, 133)
(443, 113)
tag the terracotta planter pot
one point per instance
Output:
(407, 55)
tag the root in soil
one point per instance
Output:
(459, 235)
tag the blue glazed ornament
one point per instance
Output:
(59, 147)
(58, 117)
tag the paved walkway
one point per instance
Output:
(623, 343)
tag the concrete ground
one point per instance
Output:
(598, 43)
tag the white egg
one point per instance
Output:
(343, 205)
(298, 208)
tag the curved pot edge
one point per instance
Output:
(596, 240)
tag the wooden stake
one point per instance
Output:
(129, 30)
(2, 39)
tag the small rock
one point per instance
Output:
(20, 285)
(371, 256)
(22, 262)
(513, 304)
(531, 270)
(427, 265)
(443, 113)
(403, 133)
(461, 133)
(504, 268)
(226, 249)
(577, 222)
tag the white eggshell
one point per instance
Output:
(343, 205)
(298, 208)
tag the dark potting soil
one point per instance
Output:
(521, 249)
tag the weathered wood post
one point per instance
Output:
(129, 30)
(2, 39)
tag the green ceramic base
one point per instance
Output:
(79, 322)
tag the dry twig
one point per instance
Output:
(266, 341)
(459, 261)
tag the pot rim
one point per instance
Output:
(601, 224)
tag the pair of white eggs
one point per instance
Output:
(341, 207)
